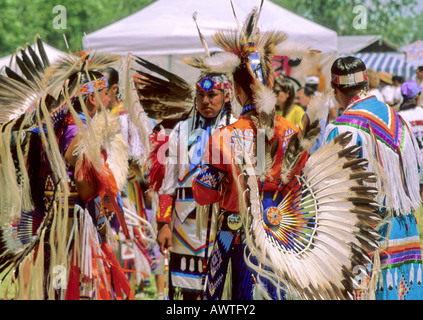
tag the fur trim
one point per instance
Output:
(106, 135)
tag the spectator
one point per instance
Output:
(374, 82)
(386, 87)
(285, 106)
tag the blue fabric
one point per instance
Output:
(401, 275)
(200, 146)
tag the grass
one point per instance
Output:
(419, 216)
(7, 290)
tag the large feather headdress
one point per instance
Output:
(246, 46)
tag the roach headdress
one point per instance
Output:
(248, 47)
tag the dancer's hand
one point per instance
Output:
(164, 238)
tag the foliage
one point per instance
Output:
(395, 20)
(21, 21)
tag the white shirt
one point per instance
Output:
(388, 94)
(376, 92)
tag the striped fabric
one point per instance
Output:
(401, 251)
(394, 64)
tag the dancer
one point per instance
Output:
(394, 155)
(272, 242)
(69, 165)
(184, 230)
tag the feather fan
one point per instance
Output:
(164, 95)
(313, 240)
(19, 92)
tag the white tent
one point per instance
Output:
(52, 54)
(164, 32)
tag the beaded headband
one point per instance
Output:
(349, 79)
(210, 82)
(88, 87)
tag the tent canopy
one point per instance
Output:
(166, 27)
(414, 52)
(361, 44)
(392, 63)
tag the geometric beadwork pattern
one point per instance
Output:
(210, 177)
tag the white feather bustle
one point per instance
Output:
(317, 271)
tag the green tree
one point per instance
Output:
(21, 21)
(395, 20)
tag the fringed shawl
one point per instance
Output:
(395, 156)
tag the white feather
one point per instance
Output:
(265, 99)
(318, 107)
(222, 62)
(293, 49)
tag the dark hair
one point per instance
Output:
(398, 78)
(84, 79)
(112, 76)
(228, 107)
(308, 92)
(409, 103)
(286, 86)
(420, 68)
(348, 65)
(243, 77)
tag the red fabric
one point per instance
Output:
(156, 160)
(164, 212)
(222, 157)
(106, 185)
(73, 285)
(119, 280)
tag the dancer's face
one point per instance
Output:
(94, 103)
(210, 103)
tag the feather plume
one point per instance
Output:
(222, 62)
(202, 39)
(294, 49)
(235, 17)
(163, 94)
(131, 100)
